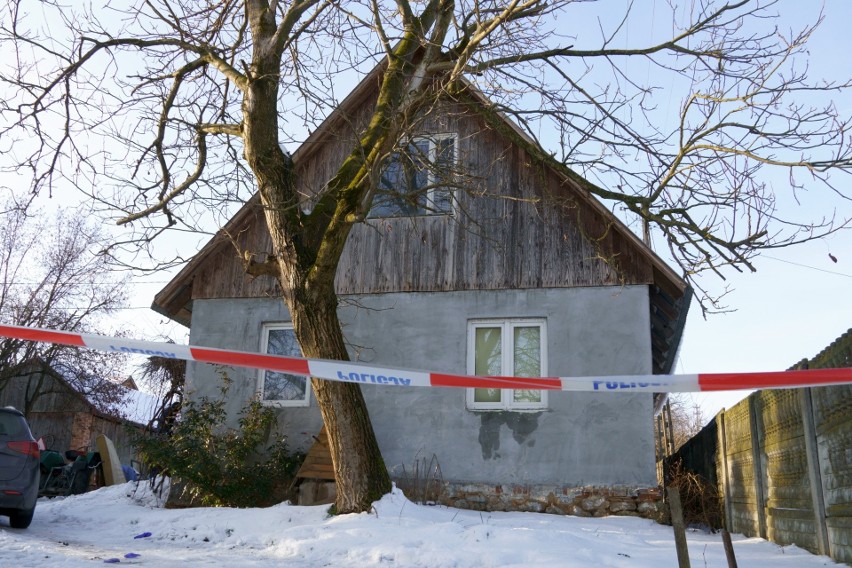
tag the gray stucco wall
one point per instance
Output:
(580, 439)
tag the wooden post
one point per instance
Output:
(667, 423)
(659, 456)
(729, 549)
(814, 473)
(678, 526)
(758, 468)
(722, 453)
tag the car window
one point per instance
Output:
(11, 425)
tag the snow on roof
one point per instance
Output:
(136, 406)
(140, 407)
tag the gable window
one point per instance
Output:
(513, 347)
(416, 181)
(282, 389)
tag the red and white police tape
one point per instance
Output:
(355, 372)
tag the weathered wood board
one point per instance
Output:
(317, 464)
(113, 475)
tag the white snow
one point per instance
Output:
(140, 407)
(87, 530)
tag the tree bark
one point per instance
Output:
(359, 469)
(308, 292)
(307, 246)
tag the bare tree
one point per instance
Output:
(687, 418)
(679, 419)
(52, 278)
(168, 378)
(194, 103)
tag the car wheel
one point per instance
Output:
(21, 519)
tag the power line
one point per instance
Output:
(807, 266)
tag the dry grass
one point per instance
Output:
(702, 504)
(424, 484)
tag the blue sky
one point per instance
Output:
(794, 306)
(798, 301)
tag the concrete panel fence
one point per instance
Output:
(782, 461)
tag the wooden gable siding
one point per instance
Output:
(519, 225)
(50, 393)
(223, 275)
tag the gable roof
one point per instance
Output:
(135, 407)
(670, 295)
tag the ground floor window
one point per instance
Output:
(507, 347)
(282, 389)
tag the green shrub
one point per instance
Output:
(219, 466)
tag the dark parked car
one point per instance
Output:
(19, 468)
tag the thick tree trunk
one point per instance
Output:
(307, 249)
(359, 469)
(312, 302)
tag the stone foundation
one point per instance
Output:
(586, 501)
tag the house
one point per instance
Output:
(69, 420)
(522, 272)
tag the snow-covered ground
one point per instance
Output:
(105, 525)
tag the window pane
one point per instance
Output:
(444, 162)
(280, 386)
(393, 198)
(419, 162)
(527, 353)
(283, 386)
(526, 395)
(486, 395)
(393, 175)
(283, 342)
(488, 353)
(410, 180)
(417, 175)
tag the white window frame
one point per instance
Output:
(507, 326)
(261, 376)
(432, 182)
